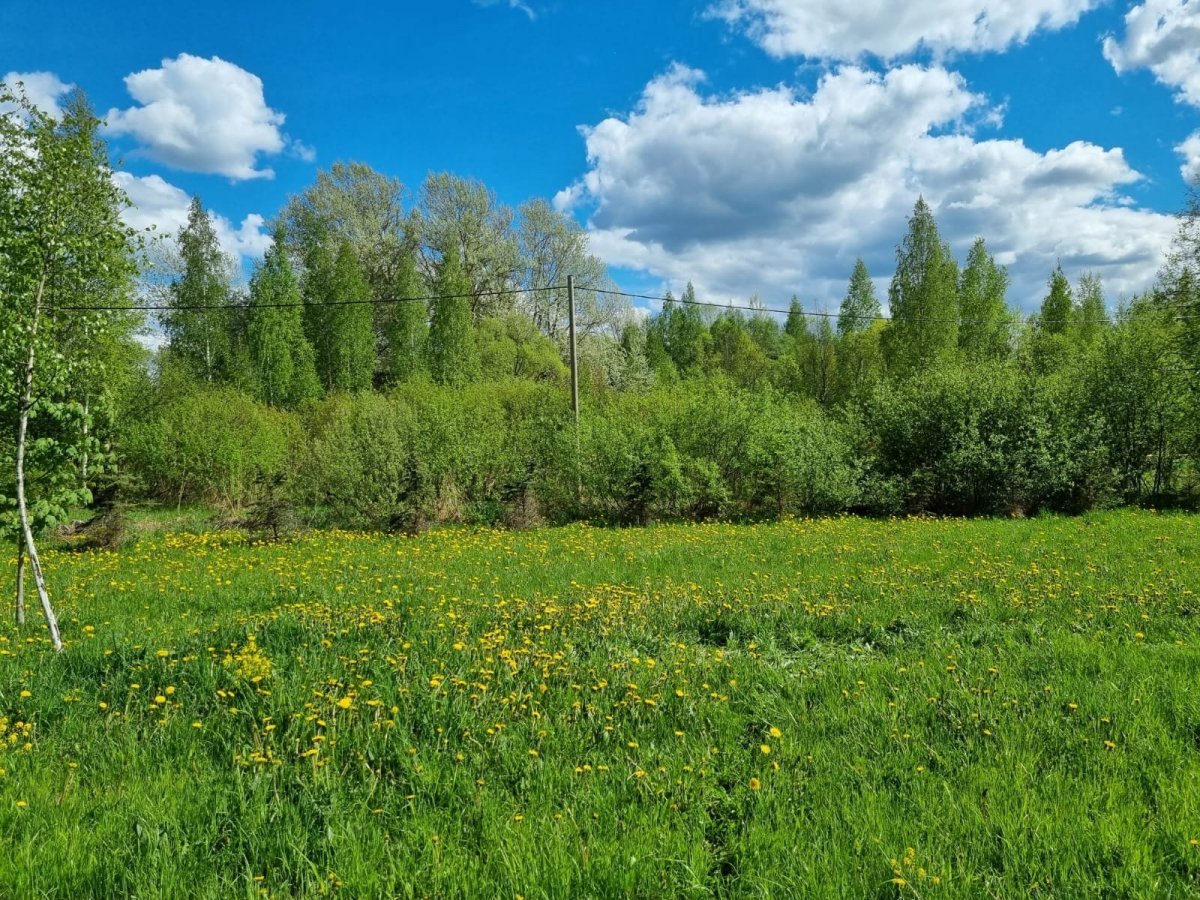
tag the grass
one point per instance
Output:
(830, 708)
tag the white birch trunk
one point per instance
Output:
(35, 562)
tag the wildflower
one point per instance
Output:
(755, 784)
(345, 703)
(775, 732)
(765, 748)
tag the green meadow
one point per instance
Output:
(837, 707)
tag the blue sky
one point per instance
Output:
(753, 146)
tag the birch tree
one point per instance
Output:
(63, 253)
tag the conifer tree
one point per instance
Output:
(281, 357)
(201, 338)
(797, 323)
(1057, 315)
(337, 318)
(408, 328)
(453, 356)
(860, 307)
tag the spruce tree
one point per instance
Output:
(860, 307)
(453, 356)
(337, 318)
(923, 297)
(797, 323)
(281, 357)
(407, 327)
(201, 337)
(1057, 315)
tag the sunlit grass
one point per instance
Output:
(828, 708)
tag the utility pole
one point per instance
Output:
(574, 383)
(574, 353)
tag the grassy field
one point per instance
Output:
(838, 708)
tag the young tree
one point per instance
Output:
(453, 357)
(923, 298)
(797, 322)
(62, 244)
(337, 318)
(983, 331)
(860, 306)
(201, 337)
(408, 325)
(685, 334)
(1057, 314)
(1091, 318)
(281, 357)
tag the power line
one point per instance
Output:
(837, 315)
(373, 301)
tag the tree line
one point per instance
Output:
(392, 363)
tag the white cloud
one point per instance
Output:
(512, 4)
(836, 29)
(1164, 37)
(772, 192)
(160, 205)
(42, 89)
(1190, 151)
(201, 115)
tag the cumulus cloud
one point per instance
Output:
(835, 29)
(202, 115)
(42, 89)
(774, 192)
(1190, 151)
(161, 206)
(1164, 37)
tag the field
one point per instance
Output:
(840, 708)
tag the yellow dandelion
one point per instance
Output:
(755, 784)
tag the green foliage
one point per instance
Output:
(1091, 317)
(716, 453)
(453, 358)
(425, 454)
(513, 347)
(202, 339)
(1058, 309)
(461, 217)
(922, 298)
(860, 306)
(1137, 385)
(683, 333)
(970, 441)
(408, 325)
(214, 445)
(281, 357)
(62, 243)
(337, 318)
(984, 333)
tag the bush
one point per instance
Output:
(982, 440)
(214, 446)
